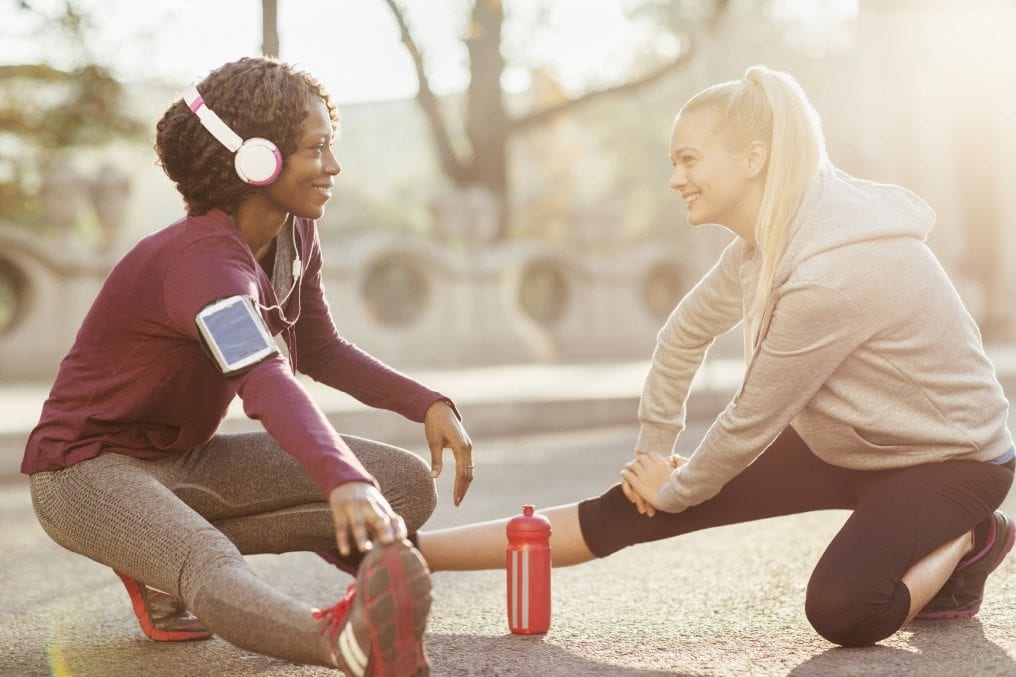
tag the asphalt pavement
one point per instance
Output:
(727, 601)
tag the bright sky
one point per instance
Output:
(352, 45)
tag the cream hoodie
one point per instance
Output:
(864, 347)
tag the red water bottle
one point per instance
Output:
(528, 564)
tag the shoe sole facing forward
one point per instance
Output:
(145, 621)
(397, 596)
(970, 612)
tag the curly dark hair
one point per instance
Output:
(259, 97)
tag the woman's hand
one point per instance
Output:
(632, 495)
(361, 511)
(443, 429)
(642, 477)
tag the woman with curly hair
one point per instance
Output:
(866, 385)
(126, 465)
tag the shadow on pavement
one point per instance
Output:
(516, 655)
(505, 655)
(934, 644)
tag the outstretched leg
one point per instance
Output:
(786, 479)
(482, 545)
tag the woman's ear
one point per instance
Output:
(758, 154)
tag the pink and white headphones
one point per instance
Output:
(257, 161)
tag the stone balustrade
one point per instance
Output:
(408, 301)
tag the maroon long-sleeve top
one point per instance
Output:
(138, 380)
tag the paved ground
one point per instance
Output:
(724, 602)
(727, 602)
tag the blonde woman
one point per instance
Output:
(866, 385)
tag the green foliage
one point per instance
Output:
(51, 108)
(44, 111)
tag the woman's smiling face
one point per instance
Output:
(709, 173)
(305, 184)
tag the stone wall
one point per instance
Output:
(408, 301)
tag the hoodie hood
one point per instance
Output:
(839, 210)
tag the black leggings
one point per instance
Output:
(855, 595)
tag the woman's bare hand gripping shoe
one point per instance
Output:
(362, 515)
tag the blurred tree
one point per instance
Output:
(45, 109)
(482, 161)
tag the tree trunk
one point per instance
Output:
(488, 126)
(487, 122)
(270, 28)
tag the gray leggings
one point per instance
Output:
(182, 522)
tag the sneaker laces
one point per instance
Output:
(335, 616)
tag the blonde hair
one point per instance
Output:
(769, 106)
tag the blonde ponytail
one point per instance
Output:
(770, 106)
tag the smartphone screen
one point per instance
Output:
(235, 335)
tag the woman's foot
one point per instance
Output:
(961, 595)
(377, 629)
(162, 616)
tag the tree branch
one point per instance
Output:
(720, 8)
(539, 117)
(449, 160)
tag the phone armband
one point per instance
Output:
(235, 334)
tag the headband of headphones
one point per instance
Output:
(257, 161)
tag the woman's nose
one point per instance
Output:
(332, 165)
(677, 180)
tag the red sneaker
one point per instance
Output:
(380, 630)
(162, 616)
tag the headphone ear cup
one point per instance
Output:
(258, 162)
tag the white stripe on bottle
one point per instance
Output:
(515, 588)
(525, 589)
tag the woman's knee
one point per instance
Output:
(404, 478)
(409, 488)
(855, 613)
(418, 493)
